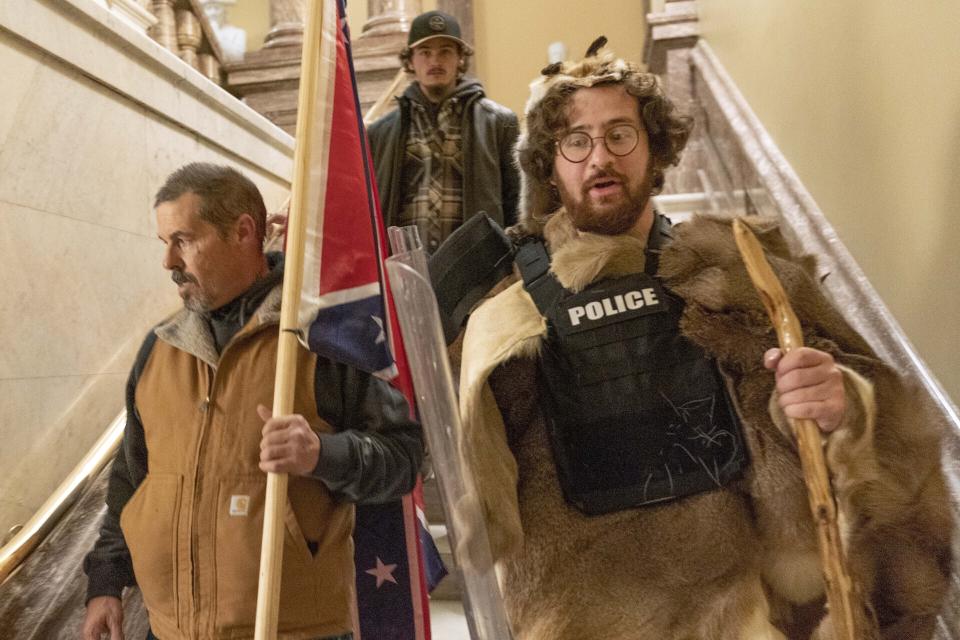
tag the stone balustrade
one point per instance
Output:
(184, 28)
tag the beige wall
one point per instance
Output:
(863, 99)
(253, 16)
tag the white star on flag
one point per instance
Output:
(381, 337)
(383, 572)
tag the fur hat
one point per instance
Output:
(545, 118)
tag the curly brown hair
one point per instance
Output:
(546, 120)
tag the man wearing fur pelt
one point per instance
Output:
(624, 408)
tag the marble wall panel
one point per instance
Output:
(79, 287)
(19, 70)
(80, 162)
(75, 162)
(90, 150)
(80, 298)
(172, 147)
(86, 37)
(46, 424)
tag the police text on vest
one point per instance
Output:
(628, 301)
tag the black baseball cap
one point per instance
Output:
(435, 24)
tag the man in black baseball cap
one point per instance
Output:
(446, 152)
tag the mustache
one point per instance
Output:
(605, 172)
(181, 277)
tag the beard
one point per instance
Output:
(609, 219)
(193, 301)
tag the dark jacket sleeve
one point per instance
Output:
(377, 449)
(108, 566)
(510, 175)
(384, 136)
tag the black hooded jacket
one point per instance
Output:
(490, 177)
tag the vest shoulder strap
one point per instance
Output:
(533, 261)
(660, 235)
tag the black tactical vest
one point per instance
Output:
(636, 413)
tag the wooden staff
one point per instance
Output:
(271, 550)
(844, 595)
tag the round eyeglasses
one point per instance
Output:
(620, 140)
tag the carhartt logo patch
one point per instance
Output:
(239, 505)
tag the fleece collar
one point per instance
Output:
(579, 258)
(190, 331)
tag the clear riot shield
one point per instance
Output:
(437, 403)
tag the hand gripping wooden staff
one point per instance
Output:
(844, 596)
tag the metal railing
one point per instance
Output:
(42, 522)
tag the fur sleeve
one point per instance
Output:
(487, 464)
(491, 483)
(851, 443)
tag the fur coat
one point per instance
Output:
(730, 564)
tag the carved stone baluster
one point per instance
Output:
(165, 31)
(209, 67)
(375, 50)
(189, 37)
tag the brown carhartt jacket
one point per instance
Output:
(195, 523)
(192, 526)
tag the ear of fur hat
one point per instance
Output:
(598, 66)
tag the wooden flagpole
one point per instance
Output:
(844, 596)
(271, 551)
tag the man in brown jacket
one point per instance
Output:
(186, 496)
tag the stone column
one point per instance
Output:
(287, 19)
(268, 80)
(389, 17)
(375, 51)
(165, 30)
(462, 10)
(670, 36)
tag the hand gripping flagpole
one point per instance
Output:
(844, 596)
(271, 551)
